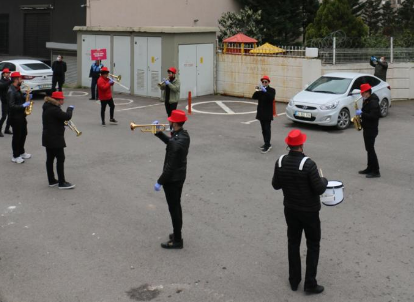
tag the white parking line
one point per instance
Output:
(139, 107)
(224, 107)
(249, 122)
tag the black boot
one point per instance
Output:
(315, 290)
(173, 244)
(366, 171)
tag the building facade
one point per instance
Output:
(137, 13)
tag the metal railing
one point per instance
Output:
(239, 49)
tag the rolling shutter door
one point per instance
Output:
(36, 34)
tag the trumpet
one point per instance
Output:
(257, 88)
(153, 128)
(28, 109)
(160, 83)
(72, 127)
(357, 119)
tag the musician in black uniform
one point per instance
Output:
(53, 138)
(5, 82)
(265, 96)
(370, 115)
(298, 177)
(174, 174)
(17, 115)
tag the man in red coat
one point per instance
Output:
(105, 95)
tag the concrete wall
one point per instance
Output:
(238, 75)
(157, 12)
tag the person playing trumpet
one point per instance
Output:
(265, 95)
(174, 174)
(53, 138)
(17, 115)
(170, 91)
(5, 82)
(105, 96)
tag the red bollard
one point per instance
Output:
(189, 102)
(274, 108)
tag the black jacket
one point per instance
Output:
(371, 113)
(53, 118)
(301, 189)
(175, 163)
(59, 69)
(4, 87)
(265, 103)
(380, 69)
(16, 100)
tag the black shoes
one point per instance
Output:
(294, 287)
(113, 121)
(266, 149)
(373, 175)
(53, 183)
(173, 245)
(66, 185)
(314, 290)
(366, 171)
(262, 147)
(8, 132)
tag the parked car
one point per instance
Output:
(330, 100)
(36, 74)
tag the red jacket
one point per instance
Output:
(104, 89)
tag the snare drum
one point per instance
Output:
(334, 193)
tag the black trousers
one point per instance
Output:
(298, 221)
(266, 131)
(19, 135)
(94, 90)
(4, 115)
(59, 154)
(170, 107)
(173, 192)
(59, 80)
(111, 105)
(369, 140)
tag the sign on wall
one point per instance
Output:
(98, 54)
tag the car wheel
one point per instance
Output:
(344, 119)
(384, 105)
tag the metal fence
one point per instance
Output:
(240, 49)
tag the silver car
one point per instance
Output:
(36, 74)
(330, 100)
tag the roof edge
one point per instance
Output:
(151, 29)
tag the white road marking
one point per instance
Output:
(139, 107)
(77, 93)
(249, 122)
(224, 107)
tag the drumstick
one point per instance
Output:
(320, 170)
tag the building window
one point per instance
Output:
(4, 33)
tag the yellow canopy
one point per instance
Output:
(267, 48)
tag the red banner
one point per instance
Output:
(98, 54)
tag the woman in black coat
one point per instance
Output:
(53, 138)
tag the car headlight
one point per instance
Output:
(291, 103)
(329, 106)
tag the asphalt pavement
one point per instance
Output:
(101, 241)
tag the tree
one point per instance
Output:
(388, 19)
(357, 7)
(246, 21)
(372, 16)
(406, 15)
(334, 15)
(283, 20)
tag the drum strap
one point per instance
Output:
(302, 163)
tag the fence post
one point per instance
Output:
(334, 51)
(391, 50)
(189, 102)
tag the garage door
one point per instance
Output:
(36, 34)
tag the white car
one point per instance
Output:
(37, 75)
(330, 100)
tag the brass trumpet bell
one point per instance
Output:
(117, 78)
(153, 128)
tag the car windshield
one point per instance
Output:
(34, 66)
(330, 85)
